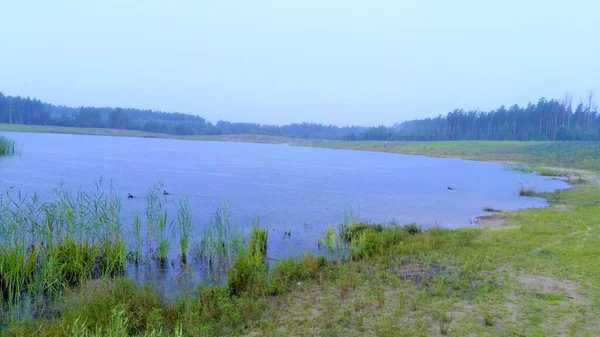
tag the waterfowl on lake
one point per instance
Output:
(129, 196)
(166, 193)
(450, 188)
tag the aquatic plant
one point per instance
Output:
(257, 241)
(158, 225)
(219, 245)
(184, 222)
(525, 191)
(329, 239)
(7, 146)
(47, 246)
(348, 218)
(137, 224)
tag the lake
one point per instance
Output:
(296, 189)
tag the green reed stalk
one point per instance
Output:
(219, 244)
(137, 223)
(158, 224)
(257, 241)
(184, 221)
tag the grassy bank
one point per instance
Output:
(572, 155)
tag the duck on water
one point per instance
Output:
(130, 196)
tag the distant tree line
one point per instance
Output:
(547, 120)
(20, 110)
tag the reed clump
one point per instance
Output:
(48, 246)
(184, 221)
(526, 191)
(158, 224)
(219, 246)
(257, 241)
(7, 146)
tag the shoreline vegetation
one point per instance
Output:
(531, 272)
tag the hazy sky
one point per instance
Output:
(334, 61)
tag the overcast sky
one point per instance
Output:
(335, 61)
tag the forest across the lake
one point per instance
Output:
(548, 119)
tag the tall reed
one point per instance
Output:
(137, 226)
(257, 241)
(219, 245)
(184, 221)
(158, 225)
(46, 246)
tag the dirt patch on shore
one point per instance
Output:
(495, 221)
(551, 285)
(417, 273)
